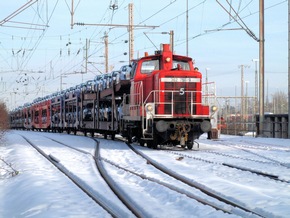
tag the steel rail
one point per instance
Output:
(179, 190)
(135, 209)
(199, 186)
(76, 181)
(257, 172)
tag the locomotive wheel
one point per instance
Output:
(142, 143)
(149, 144)
(130, 136)
(189, 145)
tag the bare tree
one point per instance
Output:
(4, 123)
(279, 104)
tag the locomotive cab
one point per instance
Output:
(166, 101)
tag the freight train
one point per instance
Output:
(157, 100)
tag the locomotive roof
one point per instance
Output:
(155, 56)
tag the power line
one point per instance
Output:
(242, 25)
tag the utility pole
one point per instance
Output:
(256, 84)
(246, 104)
(3, 85)
(106, 52)
(261, 68)
(288, 69)
(61, 76)
(242, 90)
(87, 48)
(130, 28)
(131, 33)
(206, 86)
(172, 40)
(186, 28)
(72, 15)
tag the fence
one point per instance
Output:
(275, 126)
(236, 115)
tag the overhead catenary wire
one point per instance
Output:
(71, 63)
(222, 27)
(18, 11)
(242, 24)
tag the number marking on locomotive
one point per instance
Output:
(185, 80)
(181, 91)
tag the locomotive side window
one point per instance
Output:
(150, 65)
(133, 70)
(184, 64)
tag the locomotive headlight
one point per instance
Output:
(149, 108)
(213, 108)
(168, 59)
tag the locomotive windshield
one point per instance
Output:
(183, 64)
(150, 65)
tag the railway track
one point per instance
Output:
(262, 146)
(129, 202)
(99, 199)
(248, 147)
(223, 208)
(234, 205)
(124, 165)
(136, 209)
(208, 191)
(268, 164)
(261, 172)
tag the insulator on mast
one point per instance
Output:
(114, 6)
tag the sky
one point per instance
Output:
(40, 53)
(41, 190)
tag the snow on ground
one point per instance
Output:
(256, 191)
(151, 195)
(40, 190)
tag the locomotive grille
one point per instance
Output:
(181, 102)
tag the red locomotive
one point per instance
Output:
(157, 102)
(165, 104)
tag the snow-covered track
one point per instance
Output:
(257, 172)
(208, 191)
(250, 147)
(157, 187)
(174, 188)
(262, 146)
(130, 203)
(266, 160)
(99, 200)
(126, 200)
